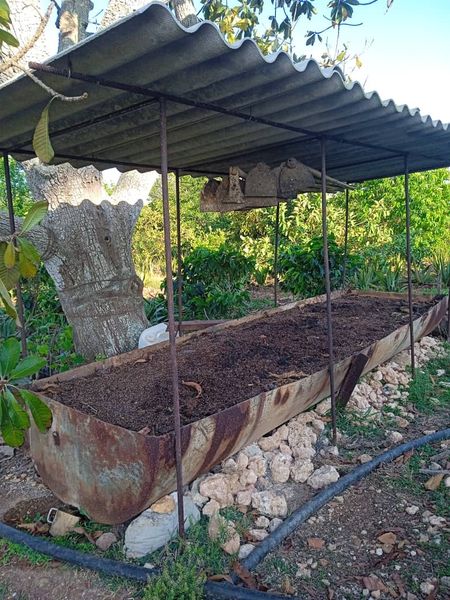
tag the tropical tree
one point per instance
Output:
(85, 239)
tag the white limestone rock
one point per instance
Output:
(323, 477)
(280, 467)
(151, 530)
(217, 487)
(270, 503)
(301, 470)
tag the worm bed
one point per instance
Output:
(254, 374)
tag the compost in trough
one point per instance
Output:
(234, 364)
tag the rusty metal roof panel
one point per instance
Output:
(150, 49)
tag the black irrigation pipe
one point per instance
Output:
(219, 591)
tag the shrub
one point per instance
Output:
(302, 267)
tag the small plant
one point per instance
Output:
(14, 400)
(440, 264)
(18, 256)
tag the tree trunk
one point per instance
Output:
(89, 257)
(185, 12)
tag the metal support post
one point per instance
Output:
(179, 256)
(328, 288)
(12, 227)
(171, 315)
(275, 256)
(408, 266)
(344, 270)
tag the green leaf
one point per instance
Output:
(26, 267)
(37, 212)
(41, 413)
(10, 255)
(19, 417)
(41, 139)
(9, 276)
(28, 366)
(7, 302)
(4, 10)
(9, 356)
(8, 38)
(11, 434)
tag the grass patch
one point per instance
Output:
(186, 565)
(10, 551)
(355, 424)
(426, 392)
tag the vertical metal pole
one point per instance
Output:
(275, 257)
(170, 310)
(408, 267)
(344, 270)
(179, 257)
(12, 227)
(328, 288)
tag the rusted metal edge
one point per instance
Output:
(351, 379)
(113, 473)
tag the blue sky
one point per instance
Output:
(409, 56)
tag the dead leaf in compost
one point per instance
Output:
(195, 386)
(287, 587)
(245, 575)
(145, 430)
(374, 583)
(388, 538)
(433, 483)
(82, 531)
(220, 577)
(315, 543)
(289, 375)
(38, 527)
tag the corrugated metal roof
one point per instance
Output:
(149, 48)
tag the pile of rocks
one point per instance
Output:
(259, 477)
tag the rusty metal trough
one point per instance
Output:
(113, 473)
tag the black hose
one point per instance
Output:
(223, 591)
(214, 590)
(307, 510)
(114, 568)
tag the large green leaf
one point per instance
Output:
(19, 417)
(41, 139)
(39, 209)
(28, 366)
(40, 411)
(8, 38)
(4, 10)
(12, 435)
(9, 356)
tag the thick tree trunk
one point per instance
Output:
(185, 12)
(89, 254)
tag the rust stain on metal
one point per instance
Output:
(113, 473)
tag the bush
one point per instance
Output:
(214, 286)
(301, 268)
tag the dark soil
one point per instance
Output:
(233, 365)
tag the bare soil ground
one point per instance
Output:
(233, 365)
(338, 553)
